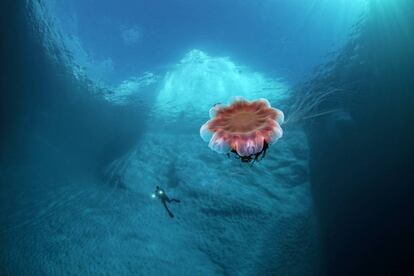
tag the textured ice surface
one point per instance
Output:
(233, 219)
(130, 89)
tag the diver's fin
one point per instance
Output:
(168, 210)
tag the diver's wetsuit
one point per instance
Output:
(263, 151)
(164, 198)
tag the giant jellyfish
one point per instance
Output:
(245, 128)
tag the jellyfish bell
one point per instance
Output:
(212, 112)
(243, 127)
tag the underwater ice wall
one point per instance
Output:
(54, 107)
(54, 137)
(361, 166)
(199, 81)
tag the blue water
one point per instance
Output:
(103, 100)
(138, 36)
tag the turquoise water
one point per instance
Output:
(103, 101)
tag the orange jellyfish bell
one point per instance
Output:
(242, 127)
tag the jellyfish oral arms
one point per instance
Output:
(243, 127)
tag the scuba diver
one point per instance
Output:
(160, 193)
(251, 158)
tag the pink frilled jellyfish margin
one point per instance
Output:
(242, 126)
